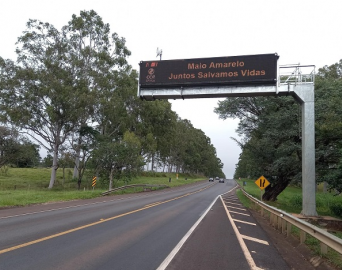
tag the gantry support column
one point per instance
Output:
(305, 95)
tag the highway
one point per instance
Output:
(138, 231)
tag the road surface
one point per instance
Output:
(189, 227)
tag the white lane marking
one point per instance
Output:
(239, 213)
(236, 208)
(173, 253)
(245, 222)
(239, 204)
(232, 199)
(244, 248)
(255, 239)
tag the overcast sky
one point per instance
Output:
(300, 31)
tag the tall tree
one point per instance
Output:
(97, 57)
(52, 91)
(328, 96)
(271, 139)
(39, 98)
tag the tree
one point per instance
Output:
(118, 159)
(84, 150)
(190, 150)
(97, 57)
(52, 90)
(271, 143)
(328, 96)
(42, 98)
(17, 150)
(66, 160)
(47, 161)
(271, 135)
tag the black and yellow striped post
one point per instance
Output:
(93, 184)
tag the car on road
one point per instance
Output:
(211, 179)
(221, 180)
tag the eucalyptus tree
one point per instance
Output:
(121, 110)
(97, 58)
(38, 97)
(52, 91)
(157, 121)
(190, 150)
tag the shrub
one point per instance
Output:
(296, 201)
(336, 208)
(4, 170)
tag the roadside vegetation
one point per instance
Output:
(26, 186)
(72, 92)
(270, 135)
(290, 200)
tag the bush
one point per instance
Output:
(296, 201)
(4, 170)
(336, 208)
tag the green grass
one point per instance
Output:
(290, 200)
(20, 187)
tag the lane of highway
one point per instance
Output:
(28, 224)
(133, 233)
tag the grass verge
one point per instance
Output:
(20, 187)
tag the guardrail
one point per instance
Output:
(283, 221)
(133, 186)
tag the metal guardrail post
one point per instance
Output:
(279, 223)
(288, 229)
(302, 237)
(283, 226)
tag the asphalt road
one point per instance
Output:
(125, 232)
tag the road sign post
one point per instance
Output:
(93, 182)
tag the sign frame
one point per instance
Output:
(260, 69)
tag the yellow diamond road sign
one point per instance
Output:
(262, 182)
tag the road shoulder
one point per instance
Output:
(298, 256)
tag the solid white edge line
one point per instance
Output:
(173, 253)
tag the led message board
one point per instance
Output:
(231, 70)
